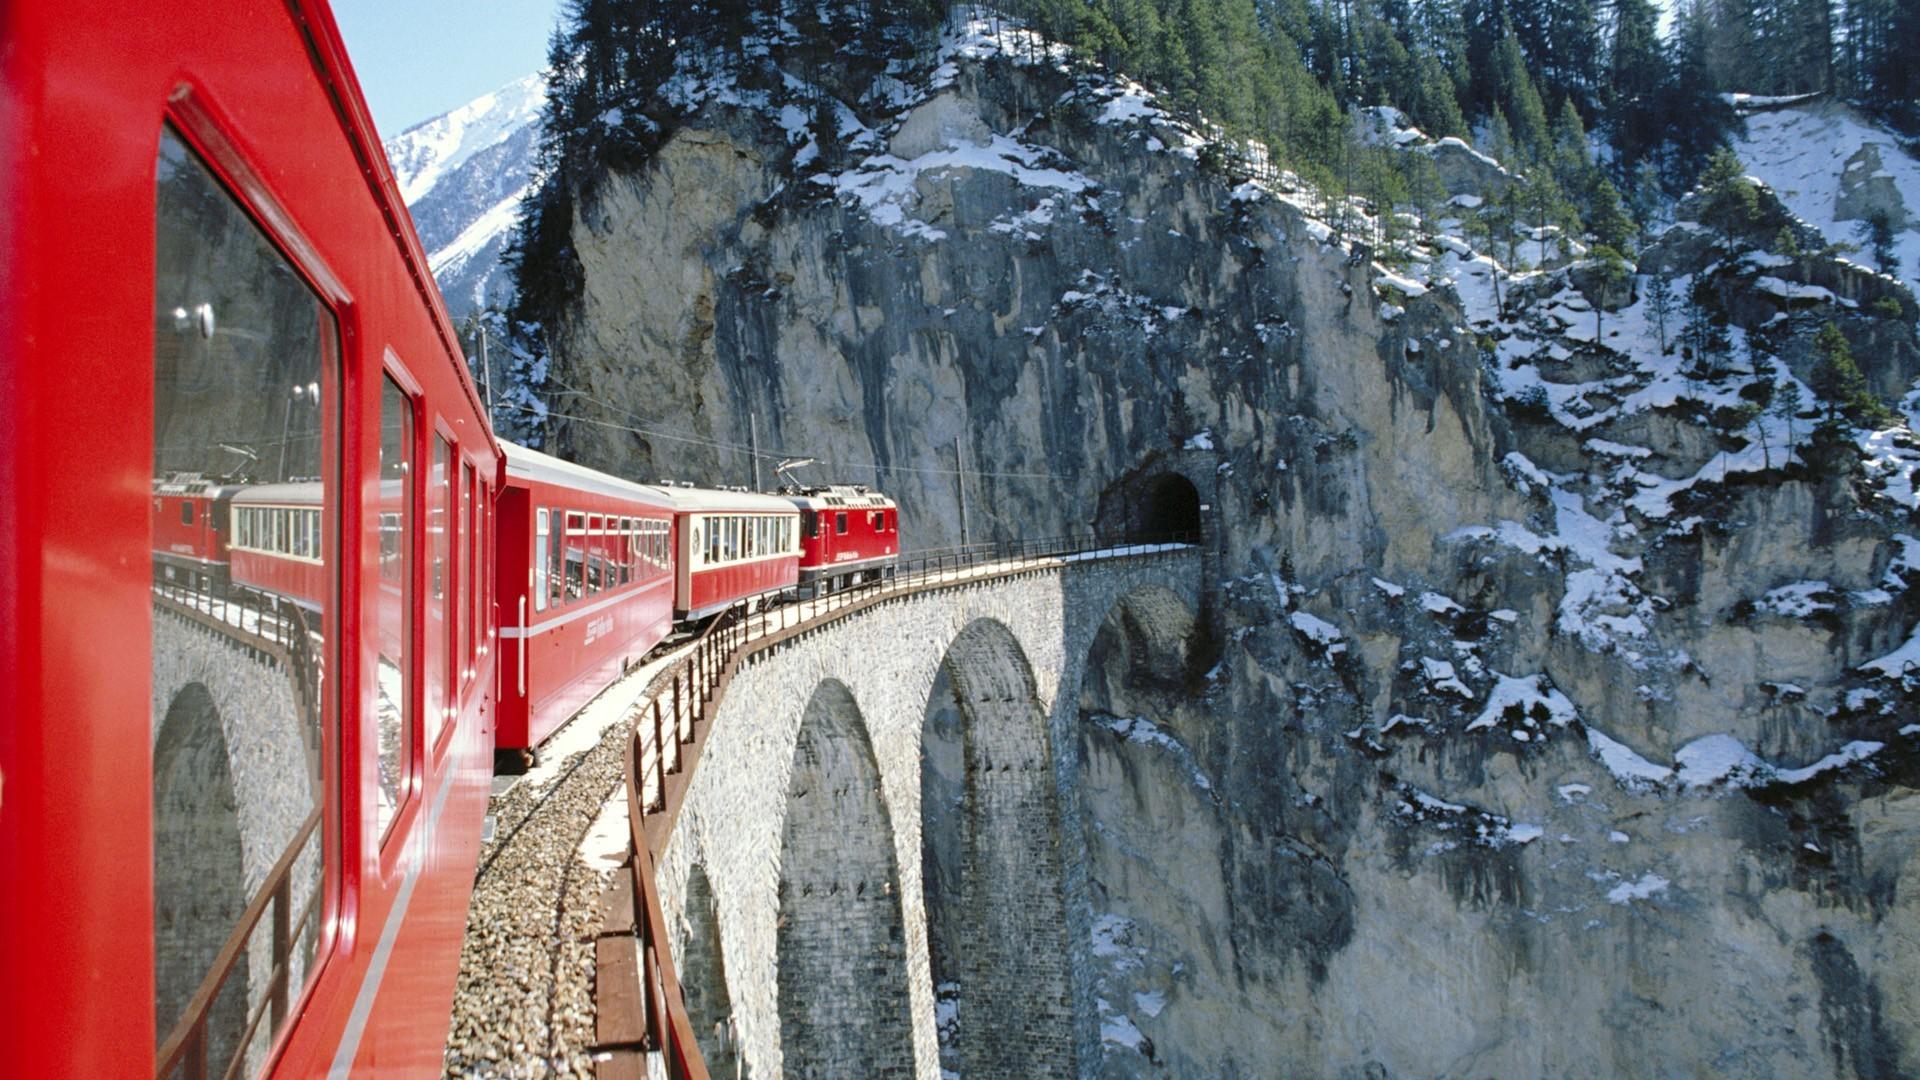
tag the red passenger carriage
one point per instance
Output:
(277, 539)
(586, 587)
(221, 846)
(731, 547)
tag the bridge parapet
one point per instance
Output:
(738, 703)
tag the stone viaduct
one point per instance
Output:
(234, 780)
(877, 866)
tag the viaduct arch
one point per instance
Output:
(969, 700)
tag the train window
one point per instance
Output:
(239, 785)
(576, 555)
(713, 539)
(441, 658)
(540, 560)
(809, 524)
(392, 617)
(840, 523)
(467, 578)
(556, 580)
(186, 512)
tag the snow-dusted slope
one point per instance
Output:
(1829, 164)
(463, 175)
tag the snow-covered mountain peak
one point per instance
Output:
(463, 175)
(427, 151)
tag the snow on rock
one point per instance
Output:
(1799, 600)
(1634, 772)
(1440, 676)
(1649, 885)
(1319, 631)
(1802, 152)
(424, 153)
(1527, 702)
(1901, 663)
(1716, 758)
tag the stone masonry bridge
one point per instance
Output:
(876, 867)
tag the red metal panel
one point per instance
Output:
(737, 581)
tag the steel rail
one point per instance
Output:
(654, 1020)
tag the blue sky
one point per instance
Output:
(419, 58)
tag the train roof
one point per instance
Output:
(193, 484)
(837, 497)
(298, 493)
(528, 464)
(688, 500)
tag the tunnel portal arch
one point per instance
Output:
(1161, 503)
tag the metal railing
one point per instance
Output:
(186, 1050)
(278, 631)
(664, 747)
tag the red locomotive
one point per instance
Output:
(848, 533)
(190, 522)
(228, 850)
(586, 586)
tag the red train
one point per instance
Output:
(259, 853)
(731, 547)
(252, 841)
(586, 586)
(190, 521)
(849, 533)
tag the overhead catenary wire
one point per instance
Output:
(780, 453)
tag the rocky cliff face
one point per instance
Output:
(1539, 724)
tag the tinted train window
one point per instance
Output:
(540, 560)
(840, 523)
(576, 555)
(392, 617)
(441, 660)
(554, 577)
(469, 530)
(245, 388)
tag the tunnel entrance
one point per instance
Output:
(1151, 506)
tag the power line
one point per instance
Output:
(784, 453)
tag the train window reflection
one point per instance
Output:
(393, 699)
(540, 572)
(440, 654)
(245, 371)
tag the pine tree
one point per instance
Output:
(1698, 119)
(1515, 92)
(1612, 272)
(1660, 302)
(1608, 220)
(1730, 202)
(1636, 72)
(1879, 232)
(1838, 381)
